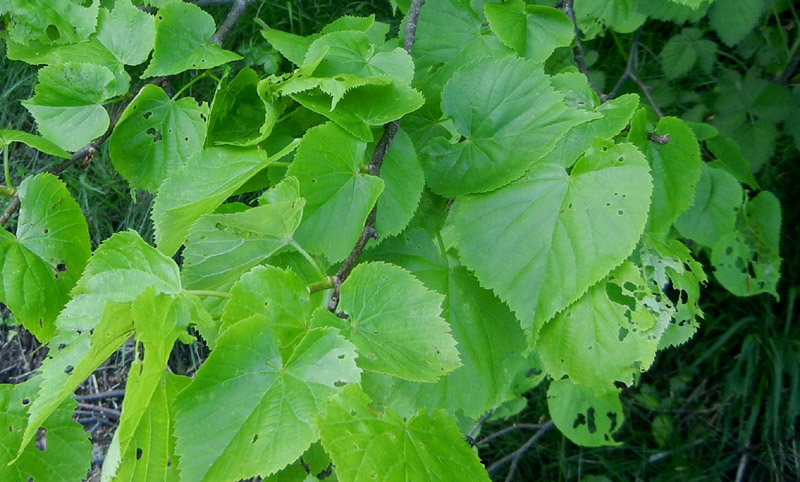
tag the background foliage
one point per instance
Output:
(730, 395)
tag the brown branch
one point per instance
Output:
(577, 52)
(91, 148)
(510, 428)
(378, 155)
(515, 456)
(100, 396)
(237, 10)
(630, 73)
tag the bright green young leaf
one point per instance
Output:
(127, 32)
(68, 101)
(685, 50)
(734, 19)
(403, 180)
(278, 298)
(221, 247)
(7, 137)
(395, 323)
(729, 158)
(607, 336)
(155, 137)
(567, 231)
(182, 34)
(717, 201)
(364, 107)
(291, 46)
(40, 265)
(584, 417)
(140, 443)
(616, 114)
(62, 452)
(594, 16)
(747, 261)
(213, 174)
(350, 52)
(154, 437)
(98, 319)
(239, 115)
(490, 340)
(508, 117)
(50, 21)
(668, 266)
(233, 419)
(534, 32)
(675, 163)
(339, 195)
(368, 443)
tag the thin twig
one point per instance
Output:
(237, 10)
(515, 456)
(100, 396)
(511, 428)
(94, 408)
(378, 155)
(791, 68)
(630, 73)
(577, 52)
(479, 423)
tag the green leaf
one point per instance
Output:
(508, 117)
(403, 180)
(594, 16)
(291, 46)
(444, 29)
(288, 308)
(668, 267)
(683, 51)
(339, 196)
(567, 231)
(127, 32)
(240, 116)
(364, 107)
(534, 32)
(154, 437)
(671, 11)
(68, 106)
(39, 266)
(221, 247)
(747, 261)
(734, 19)
(155, 137)
(61, 452)
(367, 443)
(182, 34)
(675, 166)
(395, 323)
(50, 21)
(607, 336)
(351, 52)
(585, 418)
(256, 396)
(214, 174)
(717, 201)
(7, 137)
(730, 159)
(489, 337)
(142, 444)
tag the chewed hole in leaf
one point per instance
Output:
(153, 132)
(579, 420)
(255, 438)
(590, 420)
(612, 417)
(339, 384)
(615, 294)
(41, 439)
(68, 369)
(147, 115)
(52, 32)
(25, 401)
(138, 453)
(622, 334)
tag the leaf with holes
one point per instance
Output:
(717, 201)
(50, 21)
(339, 196)
(256, 395)
(68, 102)
(395, 323)
(365, 441)
(567, 231)
(214, 174)
(61, 451)
(183, 31)
(605, 337)
(585, 418)
(533, 31)
(40, 265)
(747, 261)
(508, 117)
(155, 137)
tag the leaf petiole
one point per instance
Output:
(189, 84)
